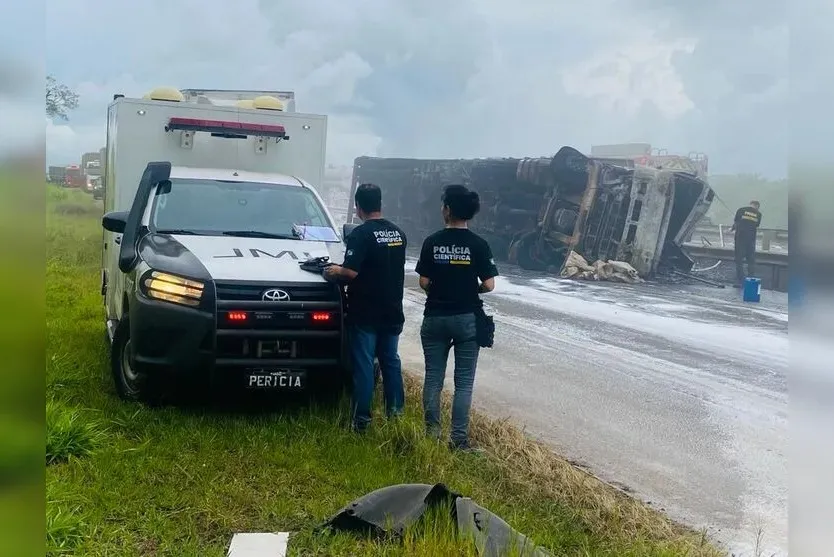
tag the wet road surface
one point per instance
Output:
(676, 393)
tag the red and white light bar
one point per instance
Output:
(226, 128)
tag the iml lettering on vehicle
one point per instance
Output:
(254, 252)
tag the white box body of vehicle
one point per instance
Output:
(136, 135)
(209, 212)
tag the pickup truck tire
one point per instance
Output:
(132, 383)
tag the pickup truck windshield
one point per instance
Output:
(215, 207)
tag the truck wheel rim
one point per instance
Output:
(127, 368)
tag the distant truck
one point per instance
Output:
(87, 158)
(56, 174)
(211, 204)
(92, 173)
(74, 177)
(535, 211)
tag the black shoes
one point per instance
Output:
(464, 447)
(359, 428)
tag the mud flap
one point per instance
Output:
(492, 536)
(390, 510)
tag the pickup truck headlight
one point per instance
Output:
(171, 288)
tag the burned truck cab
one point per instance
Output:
(607, 211)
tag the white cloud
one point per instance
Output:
(350, 137)
(96, 95)
(333, 83)
(394, 78)
(65, 144)
(625, 78)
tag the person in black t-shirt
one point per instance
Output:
(455, 267)
(746, 225)
(374, 267)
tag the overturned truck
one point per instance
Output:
(535, 211)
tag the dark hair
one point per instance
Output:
(368, 197)
(462, 202)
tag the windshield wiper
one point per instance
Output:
(259, 234)
(177, 231)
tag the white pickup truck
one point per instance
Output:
(210, 206)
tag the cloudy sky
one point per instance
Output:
(453, 79)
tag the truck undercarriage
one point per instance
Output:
(535, 211)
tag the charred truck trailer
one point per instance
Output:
(535, 211)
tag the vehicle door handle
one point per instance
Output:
(118, 240)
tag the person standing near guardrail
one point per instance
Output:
(746, 225)
(455, 267)
(374, 267)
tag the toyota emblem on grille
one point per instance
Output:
(275, 295)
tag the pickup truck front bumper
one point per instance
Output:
(240, 336)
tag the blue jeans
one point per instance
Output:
(367, 342)
(438, 334)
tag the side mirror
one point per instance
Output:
(347, 228)
(155, 172)
(115, 221)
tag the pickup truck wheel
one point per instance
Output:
(132, 383)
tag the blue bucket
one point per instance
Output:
(752, 291)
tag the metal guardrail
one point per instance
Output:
(727, 254)
(772, 267)
(719, 235)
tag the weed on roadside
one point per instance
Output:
(65, 525)
(69, 433)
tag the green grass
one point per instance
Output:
(69, 434)
(128, 480)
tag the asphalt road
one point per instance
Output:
(677, 393)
